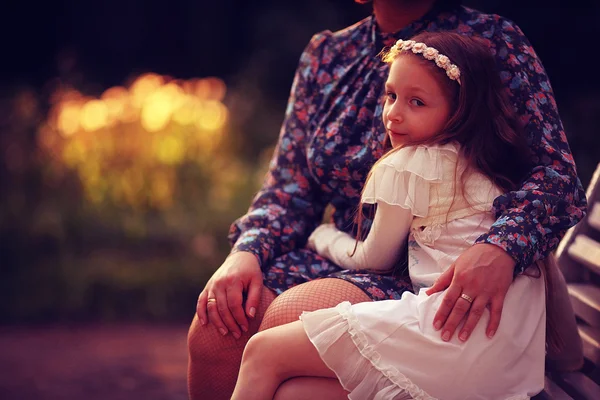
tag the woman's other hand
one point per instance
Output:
(483, 274)
(221, 301)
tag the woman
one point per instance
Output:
(331, 136)
(436, 185)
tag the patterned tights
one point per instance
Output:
(214, 360)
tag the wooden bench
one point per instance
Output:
(578, 256)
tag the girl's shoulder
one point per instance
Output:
(424, 160)
(404, 176)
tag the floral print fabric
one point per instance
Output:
(332, 134)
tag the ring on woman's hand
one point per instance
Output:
(211, 300)
(466, 297)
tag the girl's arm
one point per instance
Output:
(379, 251)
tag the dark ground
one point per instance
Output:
(93, 362)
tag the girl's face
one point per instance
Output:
(416, 108)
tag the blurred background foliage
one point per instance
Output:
(118, 206)
(130, 140)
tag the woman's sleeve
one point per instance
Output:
(532, 220)
(379, 251)
(288, 206)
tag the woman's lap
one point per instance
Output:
(301, 266)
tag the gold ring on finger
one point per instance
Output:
(211, 300)
(466, 297)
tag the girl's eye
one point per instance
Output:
(391, 96)
(416, 102)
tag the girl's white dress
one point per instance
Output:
(389, 349)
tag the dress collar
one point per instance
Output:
(382, 40)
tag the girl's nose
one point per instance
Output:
(395, 113)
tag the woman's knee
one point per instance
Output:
(203, 340)
(206, 340)
(195, 335)
(310, 296)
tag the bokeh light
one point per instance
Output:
(126, 145)
(94, 115)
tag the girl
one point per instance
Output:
(456, 146)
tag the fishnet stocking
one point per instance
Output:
(310, 296)
(214, 360)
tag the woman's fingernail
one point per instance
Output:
(202, 322)
(491, 334)
(446, 336)
(252, 311)
(437, 325)
(463, 336)
(236, 335)
(223, 331)
(244, 328)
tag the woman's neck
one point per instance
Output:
(393, 15)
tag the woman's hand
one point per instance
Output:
(220, 303)
(483, 274)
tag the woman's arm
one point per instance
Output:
(380, 249)
(533, 219)
(284, 211)
(289, 205)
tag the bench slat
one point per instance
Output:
(591, 343)
(577, 385)
(587, 251)
(585, 298)
(593, 217)
(551, 392)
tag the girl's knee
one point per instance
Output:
(257, 347)
(291, 389)
(260, 362)
(301, 388)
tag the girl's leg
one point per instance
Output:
(304, 387)
(311, 296)
(273, 356)
(214, 359)
(287, 307)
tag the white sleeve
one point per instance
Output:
(380, 249)
(399, 185)
(404, 177)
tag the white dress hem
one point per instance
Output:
(342, 319)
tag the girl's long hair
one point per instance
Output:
(482, 119)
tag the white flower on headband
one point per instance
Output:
(453, 73)
(430, 53)
(408, 44)
(419, 47)
(442, 61)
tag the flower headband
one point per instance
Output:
(432, 54)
